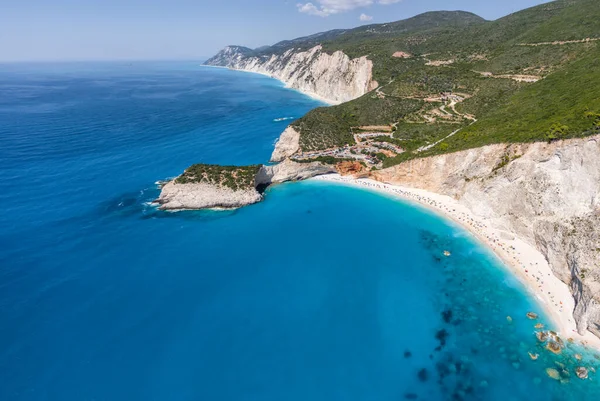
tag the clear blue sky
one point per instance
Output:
(193, 29)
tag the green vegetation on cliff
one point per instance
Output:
(561, 106)
(530, 76)
(233, 177)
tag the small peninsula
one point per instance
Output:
(205, 186)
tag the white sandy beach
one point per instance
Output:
(528, 264)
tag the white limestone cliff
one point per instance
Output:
(546, 194)
(291, 171)
(334, 78)
(287, 144)
(191, 196)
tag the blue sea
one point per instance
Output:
(321, 292)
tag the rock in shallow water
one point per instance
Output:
(553, 373)
(582, 372)
(554, 347)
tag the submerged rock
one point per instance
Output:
(542, 336)
(533, 357)
(442, 336)
(582, 372)
(553, 373)
(554, 346)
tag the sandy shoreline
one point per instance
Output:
(522, 259)
(309, 94)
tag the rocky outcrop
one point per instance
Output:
(333, 77)
(547, 194)
(287, 144)
(291, 171)
(176, 196)
(201, 195)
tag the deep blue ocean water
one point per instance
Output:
(321, 292)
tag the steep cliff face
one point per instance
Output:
(547, 194)
(335, 78)
(287, 144)
(192, 196)
(291, 171)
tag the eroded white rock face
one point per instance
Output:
(291, 171)
(335, 78)
(175, 196)
(287, 144)
(549, 195)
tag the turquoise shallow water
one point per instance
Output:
(321, 292)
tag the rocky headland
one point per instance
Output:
(231, 187)
(334, 78)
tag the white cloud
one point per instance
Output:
(325, 8)
(365, 17)
(311, 9)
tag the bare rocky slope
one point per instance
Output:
(192, 196)
(546, 194)
(334, 78)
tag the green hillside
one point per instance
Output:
(486, 82)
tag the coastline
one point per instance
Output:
(312, 95)
(520, 258)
